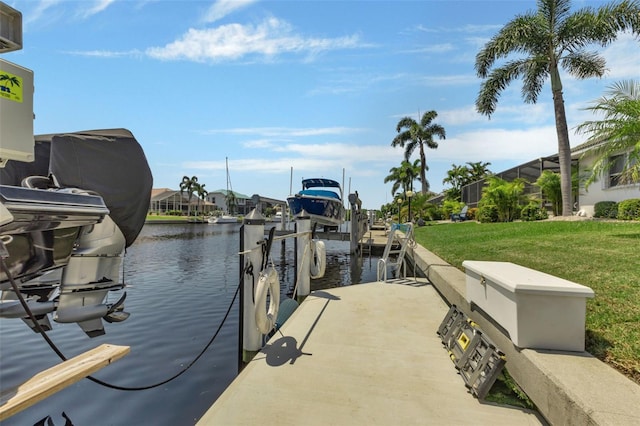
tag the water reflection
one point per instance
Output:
(181, 282)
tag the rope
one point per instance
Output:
(53, 346)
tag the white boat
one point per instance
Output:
(223, 219)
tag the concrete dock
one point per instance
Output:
(361, 354)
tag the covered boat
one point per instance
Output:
(321, 200)
(65, 221)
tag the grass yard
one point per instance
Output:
(604, 256)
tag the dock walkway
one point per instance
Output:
(355, 355)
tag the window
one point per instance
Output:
(616, 166)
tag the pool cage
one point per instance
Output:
(530, 172)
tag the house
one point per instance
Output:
(606, 188)
(165, 200)
(244, 203)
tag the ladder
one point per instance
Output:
(402, 235)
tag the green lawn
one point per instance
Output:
(602, 255)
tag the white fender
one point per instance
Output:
(318, 259)
(269, 282)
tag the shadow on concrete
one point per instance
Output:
(285, 349)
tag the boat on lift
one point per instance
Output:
(65, 221)
(321, 200)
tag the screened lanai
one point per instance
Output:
(530, 172)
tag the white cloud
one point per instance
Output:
(105, 53)
(286, 131)
(95, 7)
(40, 10)
(270, 38)
(620, 63)
(499, 145)
(222, 8)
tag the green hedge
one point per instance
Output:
(629, 209)
(606, 209)
(532, 212)
(487, 213)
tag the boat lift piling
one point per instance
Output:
(359, 223)
(251, 264)
(252, 234)
(303, 257)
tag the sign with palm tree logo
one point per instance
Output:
(10, 86)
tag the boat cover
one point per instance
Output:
(316, 182)
(109, 162)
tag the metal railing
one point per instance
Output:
(402, 235)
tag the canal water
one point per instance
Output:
(181, 281)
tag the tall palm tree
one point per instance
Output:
(412, 135)
(619, 130)
(188, 185)
(550, 38)
(201, 193)
(403, 176)
(231, 201)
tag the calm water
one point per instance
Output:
(181, 279)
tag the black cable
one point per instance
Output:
(53, 346)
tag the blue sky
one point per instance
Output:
(317, 86)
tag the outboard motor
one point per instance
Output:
(64, 244)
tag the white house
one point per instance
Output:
(607, 187)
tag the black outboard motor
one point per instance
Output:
(66, 228)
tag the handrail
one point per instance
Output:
(400, 263)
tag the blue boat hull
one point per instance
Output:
(321, 210)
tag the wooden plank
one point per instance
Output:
(54, 379)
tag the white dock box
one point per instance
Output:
(538, 310)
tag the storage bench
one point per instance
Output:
(538, 310)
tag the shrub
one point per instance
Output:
(606, 209)
(472, 213)
(629, 209)
(532, 212)
(487, 213)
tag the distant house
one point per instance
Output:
(244, 204)
(165, 200)
(583, 156)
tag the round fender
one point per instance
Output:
(268, 283)
(318, 259)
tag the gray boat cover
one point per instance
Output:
(109, 162)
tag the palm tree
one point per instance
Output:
(403, 176)
(551, 38)
(549, 183)
(231, 200)
(188, 184)
(477, 171)
(201, 193)
(619, 130)
(412, 135)
(457, 176)
(507, 197)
